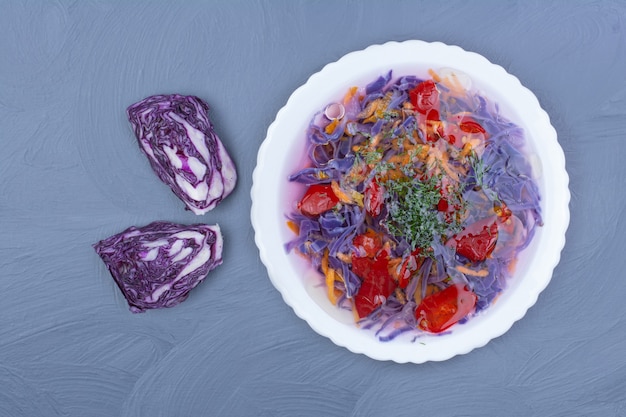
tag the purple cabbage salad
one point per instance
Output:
(416, 200)
(157, 265)
(175, 133)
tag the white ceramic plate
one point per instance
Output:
(283, 151)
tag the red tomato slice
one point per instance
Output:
(373, 201)
(377, 285)
(368, 243)
(477, 241)
(503, 212)
(433, 115)
(453, 134)
(425, 97)
(410, 265)
(443, 205)
(318, 199)
(434, 127)
(470, 126)
(441, 310)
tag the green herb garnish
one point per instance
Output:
(372, 157)
(412, 211)
(479, 168)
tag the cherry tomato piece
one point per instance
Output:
(453, 134)
(443, 205)
(410, 265)
(441, 310)
(503, 211)
(425, 96)
(433, 115)
(318, 199)
(477, 241)
(370, 268)
(368, 243)
(374, 196)
(377, 284)
(470, 126)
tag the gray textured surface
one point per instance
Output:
(71, 174)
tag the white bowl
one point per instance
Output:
(283, 151)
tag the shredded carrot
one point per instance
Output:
(331, 126)
(438, 160)
(345, 258)
(293, 227)
(322, 175)
(400, 159)
(331, 276)
(436, 77)
(391, 175)
(467, 148)
(341, 195)
(458, 87)
(381, 109)
(421, 151)
(369, 110)
(467, 271)
(496, 298)
(400, 295)
(446, 167)
(375, 141)
(330, 285)
(351, 92)
(431, 289)
(392, 266)
(338, 277)
(325, 262)
(453, 83)
(417, 296)
(357, 198)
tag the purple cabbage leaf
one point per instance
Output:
(175, 133)
(157, 265)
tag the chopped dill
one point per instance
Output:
(372, 157)
(412, 211)
(479, 168)
(388, 115)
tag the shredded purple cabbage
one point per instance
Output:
(157, 265)
(177, 137)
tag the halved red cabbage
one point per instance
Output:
(176, 135)
(157, 265)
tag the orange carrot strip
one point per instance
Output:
(330, 285)
(467, 148)
(434, 75)
(467, 271)
(351, 92)
(341, 195)
(293, 227)
(331, 126)
(325, 261)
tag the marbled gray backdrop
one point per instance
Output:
(71, 174)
